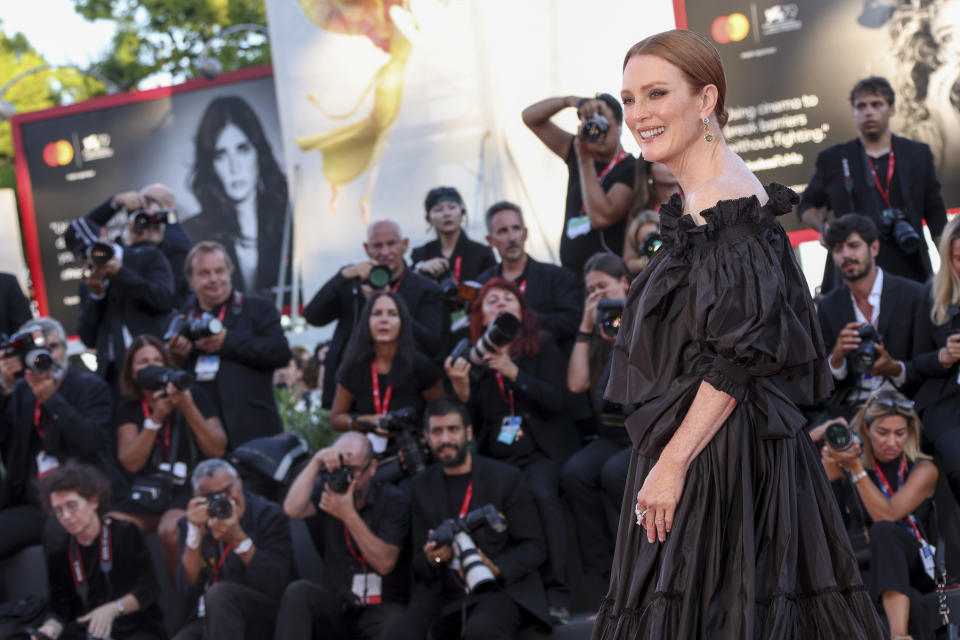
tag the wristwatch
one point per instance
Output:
(857, 477)
(119, 604)
(243, 547)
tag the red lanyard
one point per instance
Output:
(888, 492)
(358, 556)
(216, 568)
(166, 427)
(457, 264)
(375, 381)
(890, 165)
(503, 392)
(77, 569)
(397, 285)
(37, 415)
(466, 501)
(600, 176)
(523, 286)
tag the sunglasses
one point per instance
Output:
(892, 403)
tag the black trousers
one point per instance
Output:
(309, 610)
(597, 470)
(895, 563)
(543, 479)
(491, 616)
(234, 612)
(20, 527)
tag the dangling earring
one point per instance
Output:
(706, 129)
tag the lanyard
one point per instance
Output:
(166, 427)
(885, 193)
(223, 309)
(358, 556)
(523, 286)
(37, 415)
(397, 285)
(888, 492)
(380, 409)
(600, 176)
(457, 264)
(466, 501)
(216, 567)
(77, 569)
(503, 392)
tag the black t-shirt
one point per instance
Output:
(574, 252)
(456, 486)
(891, 257)
(185, 449)
(408, 386)
(474, 258)
(387, 513)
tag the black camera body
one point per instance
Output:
(840, 437)
(337, 481)
(895, 224)
(501, 332)
(411, 459)
(156, 378)
(865, 356)
(595, 127)
(455, 532)
(32, 352)
(609, 315)
(140, 220)
(218, 506)
(194, 328)
(651, 244)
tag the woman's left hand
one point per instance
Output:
(179, 399)
(848, 460)
(100, 621)
(659, 496)
(434, 267)
(500, 362)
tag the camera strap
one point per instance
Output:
(503, 392)
(357, 555)
(38, 418)
(888, 492)
(379, 408)
(467, 497)
(457, 266)
(215, 568)
(236, 306)
(77, 569)
(603, 173)
(891, 163)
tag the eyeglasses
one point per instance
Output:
(892, 403)
(68, 509)
(356, 471)
(223, 493)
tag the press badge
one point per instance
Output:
(207, 368)
(926, 554)
(510, 429)
(378, 442)
(579, 226)
(459, 320)
(46, 464)
(368, 588)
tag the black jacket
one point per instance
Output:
(342, 300)
(476, 257)
(938, 398)
(519, 551)
(243, 389)
(900, 303)
(14, 308)
(139, 296)
(918, 183)
(75, 423)
(553, 293)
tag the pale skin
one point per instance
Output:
(600, 286)
(385, 246)
(508, 235)
(209, 278)
(658, 95)
(445, 217)
(887, 436)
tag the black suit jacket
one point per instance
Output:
(14, 308)
(553, 293)
(900, 303)
(938, 398)
(477, 257)
(243, 389)
(342, 300)
(916, 178)
(519, 551)
(139, 296)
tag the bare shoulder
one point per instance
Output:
(728, 187)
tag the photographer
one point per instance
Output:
(101, 577)
(14, 306)
(48, 417)
(234, 365)
(130, 294)
(344, 295)
(382, 371)
(889, 179)
(515, 401)
(459, 483)
(155, 206)
(938, 347)
(162, 433)
(601, 174)
(870, 322)
(897, 497)
(235, 558)
(599, 469)
(549, 290)
(359, 532)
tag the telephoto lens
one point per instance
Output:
(379, 277)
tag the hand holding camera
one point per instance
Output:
(458, 370)
(434, 267)
(359, 271)
(847, 341)
(499, 360)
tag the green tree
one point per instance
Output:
(165, 36)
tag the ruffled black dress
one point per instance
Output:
(758, 549)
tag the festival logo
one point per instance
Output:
(58, 154)
(731, 28)
(780, 18)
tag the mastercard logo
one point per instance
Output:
(58, 154)
(731, 28)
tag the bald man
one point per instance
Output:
(164, 232)
(343, 296)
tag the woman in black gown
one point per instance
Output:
(740, 535)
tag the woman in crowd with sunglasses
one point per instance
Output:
(101, 578)
(895, 483)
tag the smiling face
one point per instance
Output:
(871, 114)
(661, 108)
(888, 436)
(446, 216)
(384, 320)
(210, 278)
(235, 161)
(499, 301)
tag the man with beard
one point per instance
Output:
(872, 296)
(458, 483)
(889, 179)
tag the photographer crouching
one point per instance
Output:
(475, 528)
(235, 560)
(359, 531)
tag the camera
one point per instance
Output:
(193, 328)
(156, 378)
(83, 240)
(379, 277)
(456, 532)
(840, 437)
(141, 220)
(459, 291)
(894, 223)
(609, 313)
(219, 506)
(32, 351)
(595, 127)
(501, 332)
(865, 356)
(651, 244)
(337, 481)
(410, 459)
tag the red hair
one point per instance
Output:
(528, 340)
